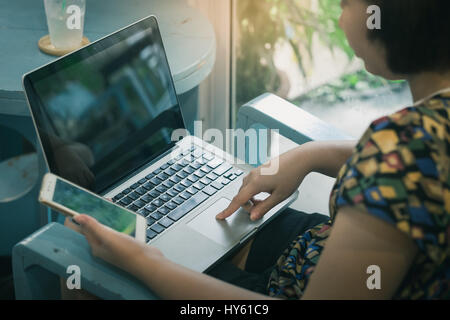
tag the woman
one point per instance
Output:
(390, 206)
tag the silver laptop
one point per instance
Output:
(106, 116)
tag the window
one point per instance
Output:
(295, 49)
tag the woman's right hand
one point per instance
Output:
(114, 247)
(280, 185)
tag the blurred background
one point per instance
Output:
(295, 48)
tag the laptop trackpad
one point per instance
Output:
(226, 232)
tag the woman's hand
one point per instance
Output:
(114, 247)
(320, 156)
(290, 174)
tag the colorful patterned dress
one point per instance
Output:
(399, 172)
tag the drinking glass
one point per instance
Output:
(65, 19)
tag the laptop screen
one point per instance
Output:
(107, 109)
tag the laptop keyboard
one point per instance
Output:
(170, 192)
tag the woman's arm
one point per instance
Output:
(359, 240)
(326, 157)
(292, 167)
(167, 279)
(172, 281)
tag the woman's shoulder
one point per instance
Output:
(399, 172)
(428, 122)
(411, 143)
(436, 109)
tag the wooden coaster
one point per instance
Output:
(46, 46)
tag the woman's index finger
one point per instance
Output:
(244, 195)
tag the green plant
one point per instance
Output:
(261, 24)
(360, 85)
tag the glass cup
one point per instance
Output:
(65, 19)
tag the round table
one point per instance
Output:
(188, 37)
(189, 40)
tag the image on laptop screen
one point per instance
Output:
(107, 109)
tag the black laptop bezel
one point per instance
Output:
(101, 44)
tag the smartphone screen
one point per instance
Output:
(104, 211)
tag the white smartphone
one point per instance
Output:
(71, 200)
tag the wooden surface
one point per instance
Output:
(46, 46)
(52, 249)
(187, 34)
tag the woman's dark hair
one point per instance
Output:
(416, 34)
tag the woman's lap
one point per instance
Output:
(267, 247)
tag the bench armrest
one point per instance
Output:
(42, 259)
(273, 112)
